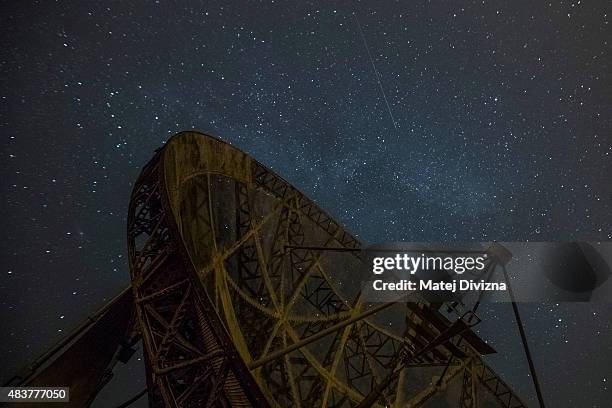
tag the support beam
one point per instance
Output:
(317, 336)
(519, 323)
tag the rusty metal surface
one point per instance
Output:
(230, 316)
(190, 360)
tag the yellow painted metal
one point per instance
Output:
(235, 217)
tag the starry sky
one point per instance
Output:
(407, 121)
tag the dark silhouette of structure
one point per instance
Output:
(244, 293)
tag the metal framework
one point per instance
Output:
(240, 300)
(245, 293)
(190, 359)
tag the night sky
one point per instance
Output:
(466, 121)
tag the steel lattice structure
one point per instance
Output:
(235, 308)
(245, 293)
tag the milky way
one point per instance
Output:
(500, 129)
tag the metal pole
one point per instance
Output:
(519, 323)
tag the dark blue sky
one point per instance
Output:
(503, 120)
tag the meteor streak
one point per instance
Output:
(382, 90)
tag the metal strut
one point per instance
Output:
(519, 323)
(322, 248)
(317, 336)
